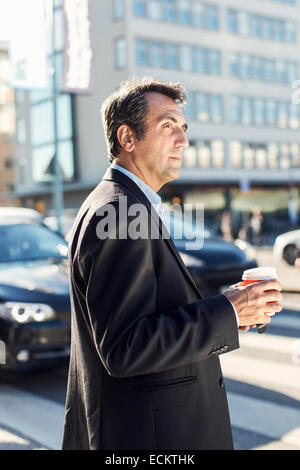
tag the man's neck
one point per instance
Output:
(137, 172)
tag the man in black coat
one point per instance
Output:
(144, 369)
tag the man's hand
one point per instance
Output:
(253, 301)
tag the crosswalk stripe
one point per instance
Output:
(35, 417)
(270, 419)
(283, 378)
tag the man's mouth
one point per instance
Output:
(175, 158)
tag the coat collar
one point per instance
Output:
(117, 176)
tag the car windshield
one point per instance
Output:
(23, 242)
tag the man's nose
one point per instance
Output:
(181, 140)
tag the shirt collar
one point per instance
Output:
(153, 197)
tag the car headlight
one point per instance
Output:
(191, 261)
(23, 312)
(248, 249)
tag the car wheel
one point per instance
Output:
(290, 254)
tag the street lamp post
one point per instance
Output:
(57, 177)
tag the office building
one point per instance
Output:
(238, 61)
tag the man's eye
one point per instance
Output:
(168, 125)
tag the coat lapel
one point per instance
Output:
(119, 177)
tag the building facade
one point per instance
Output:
(239, 62)
(7, 129)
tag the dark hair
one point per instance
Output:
(128, 105)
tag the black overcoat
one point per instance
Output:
(144, 370)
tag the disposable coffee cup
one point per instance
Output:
(259, 274)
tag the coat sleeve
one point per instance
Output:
(131, 336)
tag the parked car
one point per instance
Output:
(287, 247)
(34, 294)
(20, 213)
(215, 265)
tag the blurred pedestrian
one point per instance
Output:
(226, 226)
(256, 227)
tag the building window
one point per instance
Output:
(243, 23)
(233, 65)
(186, 58)
(200, 60)
(184, 14)
(139, 7)
(198, 15)
(190, 155)
(190, 106)
(202, 107)
(171, 56)
(294, 116)
(118, 10)
(272, 156)
(256, 26)
(245, 66)
(169, 11)
(156, 54)
(268, 28)
(258, 68)
(279, 30)
(271, 112)
(9, 163)
(154, 10)
(281, 71)
(120, 53)
(292, 72)
(259, 118)
(246, 111)
(295, 155)
(10, 187)
(269, 74)
(232, 21)
(290, 32)
(248, 155)
(235, 154)
(261, 156)
(42, 123)
(212, 17)
(214, 61)
(234, 110)
(284, 156)
(282, 115)
(216, 108)
(141, 52)
(217, 152)
(204, 154)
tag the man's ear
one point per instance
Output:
(125, 137)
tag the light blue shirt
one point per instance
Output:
(155, 200)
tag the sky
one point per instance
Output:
(6, 19)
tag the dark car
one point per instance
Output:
(215, 264)
(34, 295)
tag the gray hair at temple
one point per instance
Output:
(128, 105)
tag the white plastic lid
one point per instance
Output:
(260, 274)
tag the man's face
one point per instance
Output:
(158, 155)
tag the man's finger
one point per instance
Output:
(270, 284)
